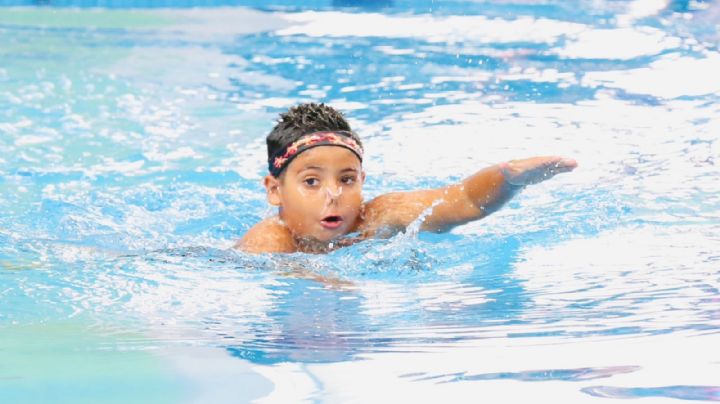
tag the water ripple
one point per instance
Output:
(571, 375)
(130, 162)
(695, 393)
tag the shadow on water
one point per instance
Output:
(310, 324)
(566, 375)
(694, 393)
(389, 310)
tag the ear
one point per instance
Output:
(362, 176)
(272, 188)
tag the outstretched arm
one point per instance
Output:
(474, 198)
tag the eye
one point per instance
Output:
(348, 180)
(312, 182)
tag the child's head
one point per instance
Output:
(315, 164)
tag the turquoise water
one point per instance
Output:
(131, 153)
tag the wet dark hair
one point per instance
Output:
(301, 120)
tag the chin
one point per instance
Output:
(330, 236)
(325, 238)
(320, 236)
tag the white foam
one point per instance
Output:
(640, 265)
(640, 9)
(177, 154)
(75, 121)
(423, 375)
(247, 160)
(541, 76)
(217, 24)
(464, 137)
(617, 43)
(583, 41)
(30, 140)
(476, 29)
(14, 128)
(669, 77)
(110, 165)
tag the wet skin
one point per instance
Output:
(319, 193)
(320, 201)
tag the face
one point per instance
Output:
(319, 194)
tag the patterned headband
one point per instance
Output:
(281, 159)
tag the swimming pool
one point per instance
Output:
(131, 152)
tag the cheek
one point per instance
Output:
(302, 192)
(300, 202)
(298, 194)
(353, 197)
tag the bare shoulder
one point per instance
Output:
(381, 208)
(268, 236)
(392, 212)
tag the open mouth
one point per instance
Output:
(332, 222)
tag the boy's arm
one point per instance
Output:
(474, 198)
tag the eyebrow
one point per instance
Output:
(344, 170)
(311, 168)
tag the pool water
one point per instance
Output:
(131, 154)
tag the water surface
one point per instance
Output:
(131, 153)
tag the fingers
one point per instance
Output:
(567, 164)
(562, 166)
(550, 167)
(536, 169)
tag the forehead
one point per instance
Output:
(328, 157)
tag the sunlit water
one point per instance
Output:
(131, 152)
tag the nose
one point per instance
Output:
(333, 192)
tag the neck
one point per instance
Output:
(314, 246)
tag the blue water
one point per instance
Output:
(131, 158)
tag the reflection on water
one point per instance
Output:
(532, 375)
(700, 393)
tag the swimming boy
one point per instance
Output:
(316, 179)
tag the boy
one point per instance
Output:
(316, 178)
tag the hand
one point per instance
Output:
(535, 169)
